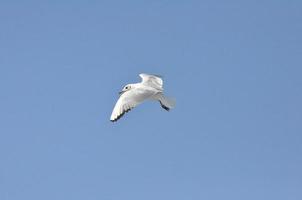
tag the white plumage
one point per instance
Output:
(132, 95)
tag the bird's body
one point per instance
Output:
(151, 88)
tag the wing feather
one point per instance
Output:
(125, 103)
(152, 80)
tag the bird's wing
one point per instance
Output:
(127, 101)
(152, 80)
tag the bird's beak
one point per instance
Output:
(121, 92)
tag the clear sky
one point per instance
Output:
(234, 67)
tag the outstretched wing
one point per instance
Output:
(152, 80)
(127, 101)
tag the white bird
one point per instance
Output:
(150, 88)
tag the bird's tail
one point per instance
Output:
(166, 103)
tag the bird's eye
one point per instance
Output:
(126, 87)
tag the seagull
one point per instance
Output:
(150, 88)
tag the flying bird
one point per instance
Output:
(150, 88)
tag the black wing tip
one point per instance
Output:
(164, 107)
(121, 115)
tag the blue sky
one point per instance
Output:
(234, 68)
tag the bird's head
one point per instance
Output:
(126, 88)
